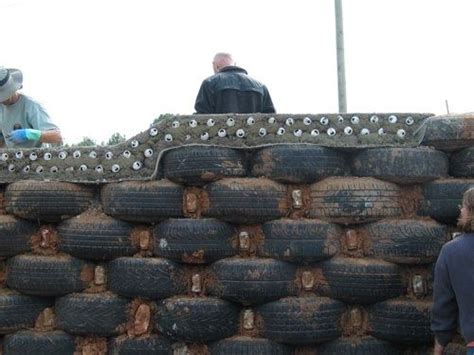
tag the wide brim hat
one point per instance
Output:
(11, 80)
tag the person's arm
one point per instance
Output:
(267, 102)
(52, 136)
(204, 102)
(444, 314)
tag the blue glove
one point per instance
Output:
(20, 136)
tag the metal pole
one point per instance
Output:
(341, 68)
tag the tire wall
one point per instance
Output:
(247, 252)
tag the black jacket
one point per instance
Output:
(232, 90)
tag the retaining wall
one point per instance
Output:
(279, 248)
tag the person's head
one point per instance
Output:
(11, 80)
(222, 60)
(466, 217)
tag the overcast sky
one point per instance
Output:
(105, 66)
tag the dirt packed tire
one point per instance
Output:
(241, 345)
(253, 280)
(48, 275)
(358, 346)
(406, 241)
(15, 235)
(100, 314)
(199, 320)
(441, 199)
(361, 281)
(246, 200)
(149, 345)
(137, 201)
(300, 321)
(28, 342)
(401, 165)
(298, 164)
(96, 237)
(47, 200)
(19, 311)
(402, 321)
(451, 132)
(300, 240)
(194, 241)
(462, 163)
(199, 165)
(354, 200)
(152, 278)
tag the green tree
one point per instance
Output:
(116, 138)
(161, 117)
(86, 142)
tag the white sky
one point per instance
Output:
(101, 66)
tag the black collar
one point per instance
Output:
(233, 68)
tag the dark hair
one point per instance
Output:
(467, 223)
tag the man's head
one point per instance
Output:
(11, 80)
(466, 217)
(222, 60)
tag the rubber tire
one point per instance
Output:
(100, 314)
(401, 165)
(252, 280)
(15, 235)
(137, 201)
(19, 311)
(246, 200)
(451, 132)
(462, 163)
(196, 320)
(46, 275)
(47, 200)
(28, 342)
(441, 199)
(298, 164)
(199, 165)
(301, 321)
(354, 200)
(358, 346)
(97, 237)
(242, 345)
(152, 278)
(300, 241)
(361, 281)
(149, 345)
(194, 241)
(406, 241)
(401, 321)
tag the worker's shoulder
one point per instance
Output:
(464, 241)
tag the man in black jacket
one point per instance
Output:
(232, 90)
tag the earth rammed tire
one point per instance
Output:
(300, 240)
(46, 200)
(441, 199)
(361, 281)
(198, 320)
(194, 241)
(246, 200)
(358, 346)
(152, 278)
(299, 321)
(28, 342)
(48, 275)
(19, 311)
(100, 314)
(96, 237)
(15, 235)
(401, 165)
(451, 132)
(150, 345)
(406, 241)
(253, 280)
(462, 163)
(298, 164)
(198, 165)
(241, 345)
(137, 201)
(401, 321)
(354, 200)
